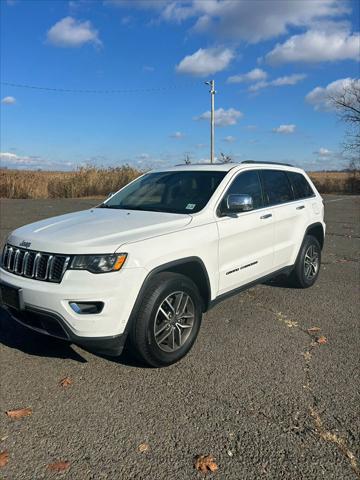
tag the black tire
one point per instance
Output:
(142, 331)
(300, 277)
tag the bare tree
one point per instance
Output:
(187, 159)
(225, 158)
(347, 105)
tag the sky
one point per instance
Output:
(123, 81)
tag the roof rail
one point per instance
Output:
(268, 163)
(205, 163)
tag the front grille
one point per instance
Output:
(36, 265)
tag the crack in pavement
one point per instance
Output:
(319, 427)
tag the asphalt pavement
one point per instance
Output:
(260, 393)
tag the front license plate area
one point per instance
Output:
(11, 296)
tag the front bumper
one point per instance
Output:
(117, 291)
(52, 324)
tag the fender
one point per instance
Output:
(163, 268)
(316, 224)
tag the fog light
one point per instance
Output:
(86, 308)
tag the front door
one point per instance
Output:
(246, 239)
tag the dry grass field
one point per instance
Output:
(84, 182)
(93, 182)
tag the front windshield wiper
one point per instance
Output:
(105, 205)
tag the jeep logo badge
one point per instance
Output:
(25, 244)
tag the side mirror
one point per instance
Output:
(239, 203)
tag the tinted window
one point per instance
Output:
(300, 185)
(248, 183)
(276, 187)
(175, 192)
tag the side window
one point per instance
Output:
(277, 188)
(248, 183)
(300, 185)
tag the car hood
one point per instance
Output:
(98, 230)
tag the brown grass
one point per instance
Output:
(93, 182)
(84, 182)
(336, 182)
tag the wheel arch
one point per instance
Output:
(317, 231)
(192, 267)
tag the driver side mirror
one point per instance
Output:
(237, 203)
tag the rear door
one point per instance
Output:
(245, 239)
(290, 215)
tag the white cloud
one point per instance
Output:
(12, 160)
(256, 74)
(70, 32)
(148, 68)
(242, 19)
(143, 156)
(285, 129)
(223, 118)
(323, 152)
(8, 100)
(278, 82)
(229, 139)
(205, 61)
(320, 97)
(317, 46)
(143, 4)
(177, 135)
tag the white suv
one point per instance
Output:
(144, 265)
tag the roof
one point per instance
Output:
(225, 167)
(220, 167)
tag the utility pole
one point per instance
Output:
(212, 92)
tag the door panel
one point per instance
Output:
(246, 239)
(245, 248)
(279, 195)
(299, 215)
(290, 223)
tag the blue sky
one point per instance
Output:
(273, 61)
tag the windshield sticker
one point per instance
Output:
(190, 206)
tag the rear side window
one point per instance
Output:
(277, 188)
(248, 183)
(300, 185)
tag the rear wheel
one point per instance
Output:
(168, 319)
(308, 263)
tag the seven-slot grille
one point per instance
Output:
(36, 265)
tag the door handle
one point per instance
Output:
(268, 215)
(300, 207)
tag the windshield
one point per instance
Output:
(174, 192)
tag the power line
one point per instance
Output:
(106, 91)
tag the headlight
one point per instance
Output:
(99, 263)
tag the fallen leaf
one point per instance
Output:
(307, 356)
(58, 466)
(313, 330)
(322, 340)
(65, 382)
(205, 463)
(4, 458)
(143, 447)
(291, 323)
(19, 413)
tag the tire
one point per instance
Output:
(308, 263)
(157, 317)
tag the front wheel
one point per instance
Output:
(308, 263)
(168, 319)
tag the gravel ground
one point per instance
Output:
(257, 392)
